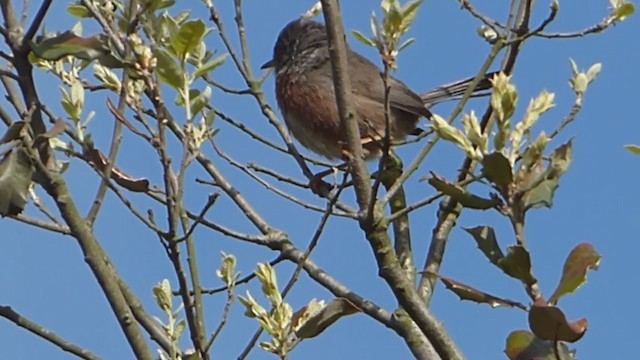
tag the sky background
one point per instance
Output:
(45, 278)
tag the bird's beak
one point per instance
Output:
(268, 64)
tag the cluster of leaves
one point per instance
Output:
(285, 327)
(174, 328)
(521, 178)
(386, 35)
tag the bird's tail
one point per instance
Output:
(455, 90)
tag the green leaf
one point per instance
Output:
(79, 11)
(199, 102)
(69, 44)
(497, 169)
(461, 195)
(210, 66)
(15, 178)
(541, 195)
(13, 132)
(179, 330)
(574, 273)
(561, 159)
(517, 264)
(624, 11)
(168, 69)
(485, 237)
(363, 39)
(634, 149)
(522, 344)
(190, 34)
(162, 293)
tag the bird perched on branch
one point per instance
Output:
(306, 97)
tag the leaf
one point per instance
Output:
(634, 149)
(205, 69)
(190, 34)
(57, 129)
(561, 159)
(485, 237)
(168, 69)
(162, 293)
(550, 323)
(13, 132)
(466, 292)
(122, 179)
(523, 345)
(69, 44)
(574, 273)
(461, 195)
(363, 39)
(497, 169)
(199, 102)
(337, 308)
(624, 11)
(15, 178)
(79, 11)
(517, 264)
(541, 195)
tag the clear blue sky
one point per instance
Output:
(44, 276)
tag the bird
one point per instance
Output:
(305, 94)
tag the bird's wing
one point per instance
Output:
(372, 87)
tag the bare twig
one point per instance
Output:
(8, 313)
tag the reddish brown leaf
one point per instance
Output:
(331, 313)
(549, 323)
(466, 292)
(122, 179)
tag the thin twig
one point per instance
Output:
(294, 277)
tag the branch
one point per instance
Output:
(376, 231)
(346, 108)
(8, 313)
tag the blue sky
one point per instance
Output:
(44, 277)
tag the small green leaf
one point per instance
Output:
(179, 330)
(363, 39)
(574, 273)
(162, 293)
(190, 34)
(624, 11)
(517, 264)
(497, 169)
(593, 72)
(13, 132)
(485, 237)
(561, 159)
(461, 195)
(199, 102)
(168, 69)
(79, 11)
(15, 178)
(541, 195)
(634, 149)
(210, 66)
(522, 344)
